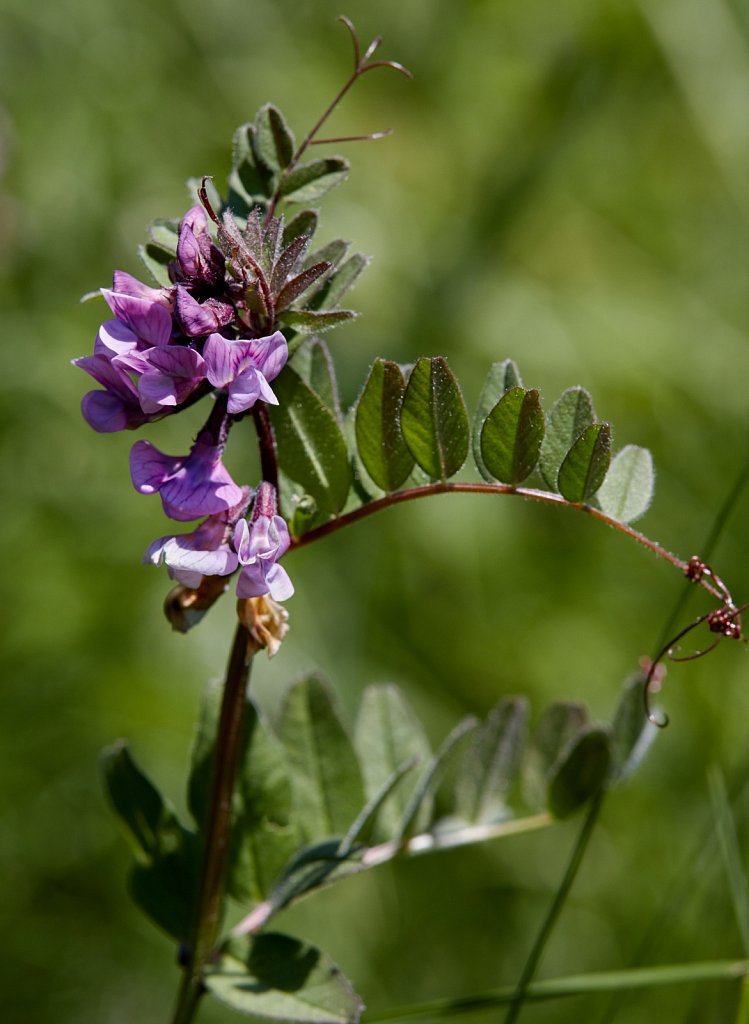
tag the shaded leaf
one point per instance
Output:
(311, 448)
(585, 466)
(631, 731)
(579, 772)
(274, 977)
(511, 436)
(501, 378)
(304, 223)
(156, 261)
(163, 889)
(326, 779)
(388, 735)
(434, 419)
(313, 362)
(556, 728)
(570, 417)
(310, 182)
(379, 439)
(491, 763)
(627, 491)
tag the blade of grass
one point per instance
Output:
(729, 847)
(575, 985)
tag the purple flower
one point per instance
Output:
(191, 486)
(204, 552)
(245, 367)
(259, 546)
(199, 318)
(199, 261)
(170, 375)
(146, 311)
(114, 360)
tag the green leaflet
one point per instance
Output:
(571, 415)
(556, 728)
(326, 780)
(511, 436)
(580, 771)
(586, 464)
(274, 977)
(309, 182)
(388, 735)
(311, 448)
(379, 438)
(632, 732)
(274, 142)
(313, 363)
(500, 379)
(627, 491)
(491, 764)
(434, 419)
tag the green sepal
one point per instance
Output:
(311, 448)
(273, 977)
(627, 491)
(511, 436)
(434, 419)
(501, 378)
(310, 182)
(379, 438)
(569, 418)
(586, 464)
(326, 781)
(580, 772)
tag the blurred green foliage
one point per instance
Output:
(567, 186)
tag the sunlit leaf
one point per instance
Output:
(491, 763)
(388, 735)
(274, 142)
(379, 439)
(586, 464)
(571, 415)
(511, 436)
(326, 780)
(310, 321)
(313, 362)
(339, 282)
(273, 977)
(304, 223)
(434, 419)
(627, 491)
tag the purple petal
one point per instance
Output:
(279, 583)
(128, 285)
(110, 374)
(115, 338)
(251, 582)
(149, 320)
(172, 374)
(222, 360)
(197, 318)
(150, 468)
(269, 354)
(245, 391)
(106, 412)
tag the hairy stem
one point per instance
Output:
(211, 884)
(547, 497)
(534, 957)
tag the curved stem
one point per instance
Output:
(546, 497)
(211, 884)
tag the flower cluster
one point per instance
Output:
(164, 349)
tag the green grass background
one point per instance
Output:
(568, 185)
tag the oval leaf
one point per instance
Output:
(500, 379)
(627, 491)
(586, 464)
(388, 735)
(632, 732)
(434, 419)
(310, 182)
(379, 439)
(580, 772)
(571, 415)
(326, 781)
(274, 142)
(491, 764)
(511, 436)
(311, 448)
(275, 977)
